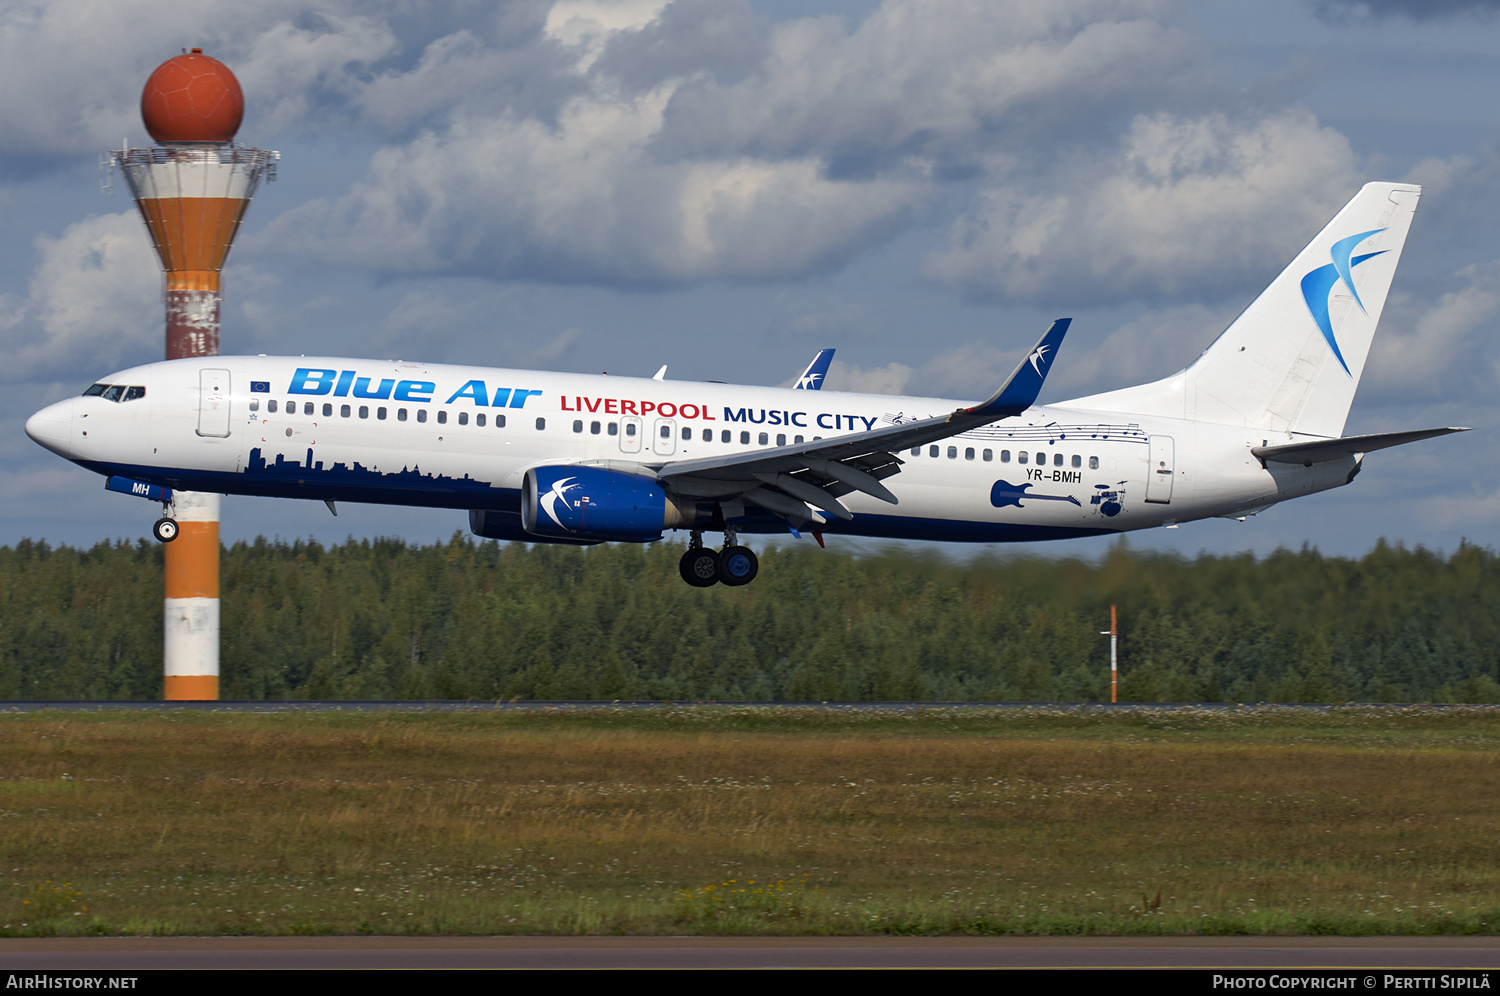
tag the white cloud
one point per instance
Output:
(937, 80)
(72, 70)
(585, 201)
(588, 25)
(679, 143)
(1426, 348)
(95, 293)
(1186, 207)
(889, 379)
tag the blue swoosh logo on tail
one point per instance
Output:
(1318, 284)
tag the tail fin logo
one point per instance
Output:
(1038, 356)
(1318, 284)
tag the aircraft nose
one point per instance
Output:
(52, 427)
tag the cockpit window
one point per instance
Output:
(115, 392)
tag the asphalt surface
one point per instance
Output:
(1360, 954)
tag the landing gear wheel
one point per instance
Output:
(165, 529)
(700, 567)
(738, 565)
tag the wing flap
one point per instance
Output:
(788, 479)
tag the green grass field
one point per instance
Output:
(766, 820)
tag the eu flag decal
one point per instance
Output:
(260, 387)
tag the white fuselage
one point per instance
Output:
(463, 437)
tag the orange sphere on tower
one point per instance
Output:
(192, 98)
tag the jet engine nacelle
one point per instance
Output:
(570, 502)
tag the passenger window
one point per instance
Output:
(764, 438)
(271, 406)
(744, 438)
(594, 428)
(1005, 456)
(380, 414)
(479, 420)
(781, 439)
(1077, 460)
(463, 418)
(629, 428)
(1041, 459)
(1057, 459)
(916, 451)
(254, 404)
(400, 414)
(499, 421)
(953, 453)
(442, 418)
(308, 408)
(327, 411)
(343, 411)
(932, 451)
(1021, 457)
(541, 424)
(687, 433)
(614, 428)
(726, 436)
(988, 455)
(796, 439)
(364, 411)
(969, 453)
(666, 432)
(578, 425)
(1093, 463)
(421, 414)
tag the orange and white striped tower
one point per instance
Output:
(193, 188)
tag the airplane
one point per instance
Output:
(539, 457)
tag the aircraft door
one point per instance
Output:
(1159, 473)
(630, 434)
(213, 403)
(664, 439)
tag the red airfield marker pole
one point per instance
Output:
(1114, 657)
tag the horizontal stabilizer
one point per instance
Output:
(1320, 450)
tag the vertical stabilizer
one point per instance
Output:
(1292, 360)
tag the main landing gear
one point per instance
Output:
(703, 568)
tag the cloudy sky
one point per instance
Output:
(728, 185)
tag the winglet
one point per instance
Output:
(1021, 390)
(812, 377)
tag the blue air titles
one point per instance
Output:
(345, 383)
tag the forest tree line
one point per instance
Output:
(471, 619)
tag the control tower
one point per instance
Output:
(193, 188)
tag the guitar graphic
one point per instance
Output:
(1004, 493)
